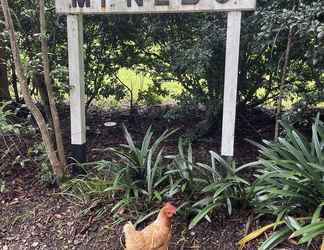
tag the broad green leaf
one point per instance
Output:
(201, 215)
(275, 239)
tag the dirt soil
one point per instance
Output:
(33, 216)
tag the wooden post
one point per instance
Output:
(230, 85)
(77, 92)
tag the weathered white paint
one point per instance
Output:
(76, 75)
(120, 6)
(230, 84)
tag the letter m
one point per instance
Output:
(80, 3)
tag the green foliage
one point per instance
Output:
(11, 133)
(188, 49)
(96, 183)
(219, 183)
(192, 49)
(182, 169)
(149, 97)
(12, 136)
(6, 126)
(92, 191)
(276, 238)
(135, 178)
(306, 229)
(289, 184)
(140, 170)
(291, 173)
(38, 154)
(314, 229)
(140, 175)
(224, 187)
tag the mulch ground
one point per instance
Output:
(33, 216)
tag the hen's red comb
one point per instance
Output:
(170, 207)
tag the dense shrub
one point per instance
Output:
(290, 185)
(290, 179)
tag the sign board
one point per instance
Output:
(150, 6)
(74, 10)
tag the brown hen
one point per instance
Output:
(155, 236)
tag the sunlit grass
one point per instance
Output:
(287, 102)
(139, 82)
(136, 82)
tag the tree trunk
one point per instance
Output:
(48, 83)
(282, 84)
(14, 82)
(57, 165)
(39, 83)
(4, 84)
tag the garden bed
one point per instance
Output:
(33, 216)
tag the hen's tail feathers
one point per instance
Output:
(129, 227)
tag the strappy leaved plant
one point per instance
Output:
(290, 185)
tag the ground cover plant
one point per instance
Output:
(219, 183)
(136, 176)
(11, 133)
(225, 187)
(141, 176)
(289, 185)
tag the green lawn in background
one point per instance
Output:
(139, 82)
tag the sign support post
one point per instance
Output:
(77, 90)
(230, 83)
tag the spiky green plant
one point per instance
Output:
(290, 184)
(224, 187)
(135, 176)
(185, 172)
(291, 174)
(139, 169)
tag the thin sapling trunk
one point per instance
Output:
(57, 165)
(282, 84)
(49, 86)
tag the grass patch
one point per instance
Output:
(138, 83)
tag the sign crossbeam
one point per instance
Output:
(150, 6)
(76, 8)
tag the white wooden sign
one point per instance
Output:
(75, 8)
(150, 6)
